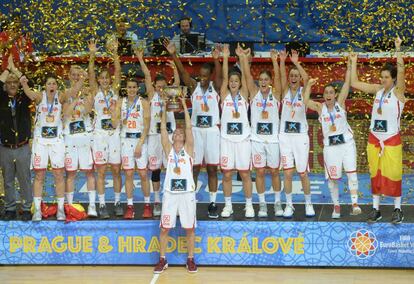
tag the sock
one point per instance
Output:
(157, 197)
(61, 202)
(146, 199)
(129, 201)
(249, 202)
(308, 199)
(397, 202)
(227, 201)
(354, 198)
(261, 198)
(213, 196)
(117, 197)
(37, 201)
(69, 197)
(289, 198)
(277, 196)
(375, 201)
(101, 198)
(92, 197)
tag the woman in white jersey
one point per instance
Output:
(235, 133)
(179, 189)
(77, 129)
(264, 109)
(205, 118)
(133, 113)
(339, 146)
(155, 153)
(384, 141)
(293, 137)
(106, 145)
(48, 143)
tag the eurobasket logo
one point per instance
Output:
(363, 244)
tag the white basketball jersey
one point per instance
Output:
(48, 118)
(335, 125)
(386, 121)
(265, 118)
(79, 123)
(235, 128)
(155, 124)
(293, 118)
(102, 106)
(205, 107)
(182, 180)
(132, 118)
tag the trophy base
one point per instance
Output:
(174, 107)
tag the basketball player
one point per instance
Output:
(384, 141)
(339, 145)
(179, 189)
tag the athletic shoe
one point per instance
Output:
(60, 215)
(288, 213)
(262, 210)
(26, 216)
(118, 210)
(309, 211)
(161, 266)
(278, 209)
(336, 214)
(103, 212)
(10, 215)
(92, 211)
(191, 266)
(156, 211)
(356, 210)
(212, 211)
(147, 211)
(129, 213)
(37, 215)
(397, 216)
(227, 211)
(374, 216)
(249, 211)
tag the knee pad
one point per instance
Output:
(352, 181)
(156, 176)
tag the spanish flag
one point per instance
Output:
(385, 165)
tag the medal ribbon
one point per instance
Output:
(175, 158)
(236, 102)
(129, 109)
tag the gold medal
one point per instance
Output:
(177, 170)
(50, 118)
(333, 128)
(105, 110)
(292, 113)
(236, 114)
(379, 111)
(206, 108)
(265, 114)
(124, 122)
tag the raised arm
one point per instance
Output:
(189, 140)
(5, 73)
(343, 94)
(316, 106)
(184, 75)
(165, 142)
(68, 108)
(218, 77)
(251, 86)
(116, 115)
(283, 75)
(75, 89)
(147, 74)
(295, 60)
(144, 134)
(244, 91)
(277, 87)
(400, 87)
(170, 63)
(225, 83)
(34, 96)
(355, 83)
(113, 47)
(91, 67)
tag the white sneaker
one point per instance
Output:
(92, 210)
(278, 209)
(227, 211)
(37, 215)
(336, 213)
(356, 210)
(288, 213)
(309, 212)
(249, 211)
(262, 210)
(61, 216)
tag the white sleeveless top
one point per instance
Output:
(155, 124)
(293, 118)
(132, 118)
(335, 127)
(265, 118)
(78, 124)
(48, 126)
(201, 116)
(102, 105)
(232, 128)
(386, 123)
(183, 180)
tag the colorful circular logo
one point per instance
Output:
(363, 244)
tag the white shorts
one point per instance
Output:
(265, 155)
(43, 151)
(127, 154)
(78, 153)
(336, 156)
(156, 156)
(235, 155)
(206, 146)
(182, 203)
(294, 151)
(106, 149)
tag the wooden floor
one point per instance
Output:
(178, 275)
